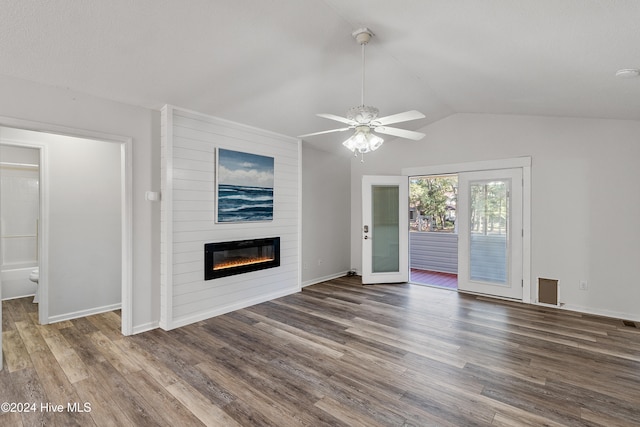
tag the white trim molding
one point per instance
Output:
(515, 162)
(324, 278)
(84, 313)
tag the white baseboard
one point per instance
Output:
(83, 313)
(145, 327)
(22, 296)
(324, 279)
(604, 313)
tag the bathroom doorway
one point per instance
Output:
(19, 220)
(84, 228)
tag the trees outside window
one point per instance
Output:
(433, 201)
(489, 208)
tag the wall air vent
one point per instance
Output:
(548, 291)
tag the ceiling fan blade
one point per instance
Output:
(400, 117)
(402, 133)
(337, 118)
(323, 132)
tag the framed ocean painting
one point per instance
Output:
(244, 187)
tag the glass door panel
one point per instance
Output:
(386, 220)
(385, 225)
(489, 231)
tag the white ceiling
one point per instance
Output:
(275, 63)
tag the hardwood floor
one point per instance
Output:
(337, 353)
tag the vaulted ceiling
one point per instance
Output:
(275, 63)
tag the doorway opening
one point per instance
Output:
(433, 236)
(72, 163)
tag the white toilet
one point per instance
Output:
(34, 277)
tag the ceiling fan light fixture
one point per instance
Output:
(362, 114)
(363, 141)
(364, 119)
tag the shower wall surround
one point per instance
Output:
(19, 216)
(19, 205)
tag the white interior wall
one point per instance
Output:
(584, 196)
(325, 215)
(57, 106)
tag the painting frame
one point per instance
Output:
(244, 187)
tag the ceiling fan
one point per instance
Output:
(364, 119)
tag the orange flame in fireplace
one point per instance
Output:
(241, 262)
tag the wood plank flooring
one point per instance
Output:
(336, 354)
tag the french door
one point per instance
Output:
(385, 229)
(490, 232)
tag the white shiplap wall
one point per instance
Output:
(189, 141)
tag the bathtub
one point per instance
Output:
(15, 280)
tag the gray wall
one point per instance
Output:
(325, 214)
(85, 226)
(584, 202)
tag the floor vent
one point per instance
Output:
(548, 291)
(629, 323)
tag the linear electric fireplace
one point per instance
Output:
(240, 256)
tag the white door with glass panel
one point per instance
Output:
(384, 232)
(490, 232)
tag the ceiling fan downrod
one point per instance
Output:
(362, 36)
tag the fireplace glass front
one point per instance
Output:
(241, 256)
